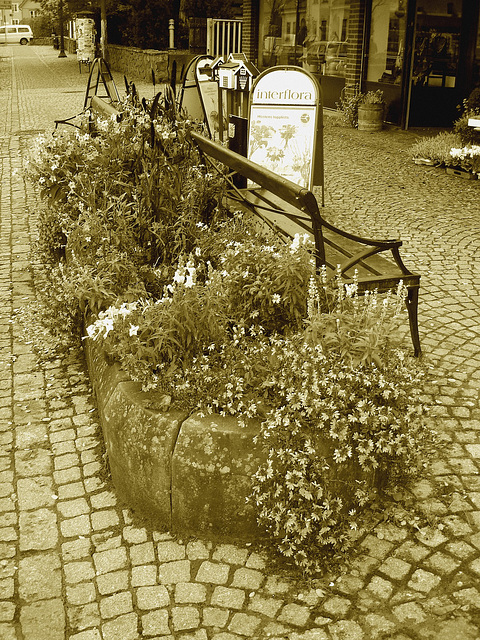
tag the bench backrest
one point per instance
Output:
(297, 197)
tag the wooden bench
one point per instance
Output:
(291, 209)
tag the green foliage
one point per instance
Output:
(351, 97)
(436, 148)
(461, 148)
(348, 105)
(335, 430)
(124, 205)
(196, 303)
(470, 109)
(372, 97)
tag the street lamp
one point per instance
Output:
(62, 53)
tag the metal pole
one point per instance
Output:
(103, 29)
(62, 53)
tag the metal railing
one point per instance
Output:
(223, 36)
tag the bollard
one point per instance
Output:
(171, 33)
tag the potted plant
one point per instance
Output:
(371, 107)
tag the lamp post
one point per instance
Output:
(62, 53)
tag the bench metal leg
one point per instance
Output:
(412, 308)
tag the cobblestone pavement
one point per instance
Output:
(77, 564)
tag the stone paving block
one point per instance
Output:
(112, 582)
(266, 606)
(73, 490)
(82, 593)
(395, 568)
(83, 616)
(155, 623)
(104, 519)
(185, 618)
(380, 587)
(336, 606)
(142, 553)
(89, 634)
(152, 597)
(346, 630)
(173, 572)
(44, 619)
(247, 579)
(110, 560)
(78, 571)
(73, 508)
(7, 612)
(230, 553)
(124, 627)
(213, 572)
(144, 575)
(215, 617)
(7, 588)
(106, 540)
(77, 526)
(294, 614)
(228, 598)
(39, 577)
(409, 612)
(132, 535)
(38, 530)
(116, 605)
(190, 592)
(76, 549)
(198, 550)
(35, 492)
(170, 550)
(244, 624)
(33, 462)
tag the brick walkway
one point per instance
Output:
(75, 564)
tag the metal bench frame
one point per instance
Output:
(289, 209)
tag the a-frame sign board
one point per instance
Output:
(286, 125)
(199, 94)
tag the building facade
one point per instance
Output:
(22, 12)
(423, 54)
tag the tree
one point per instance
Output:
(208, 8)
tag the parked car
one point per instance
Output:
(327, 57)
(16, 34)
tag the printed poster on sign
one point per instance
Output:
(283, 124)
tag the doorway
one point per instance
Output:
(443, 35)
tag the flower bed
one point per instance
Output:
(206, 316)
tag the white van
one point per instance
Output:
(15, 33)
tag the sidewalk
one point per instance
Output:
(76, 564)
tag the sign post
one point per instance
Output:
(286, 120)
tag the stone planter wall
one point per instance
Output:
(188, 474)
(139, 63)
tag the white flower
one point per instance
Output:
(108, 326)
(91, 331)
(276, 299)
(179, 277)
(133, 330)
(189, 282)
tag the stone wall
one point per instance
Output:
(139, 63)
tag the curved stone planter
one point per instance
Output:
(188, 474)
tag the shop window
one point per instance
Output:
(387, 37)
(320, 44)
